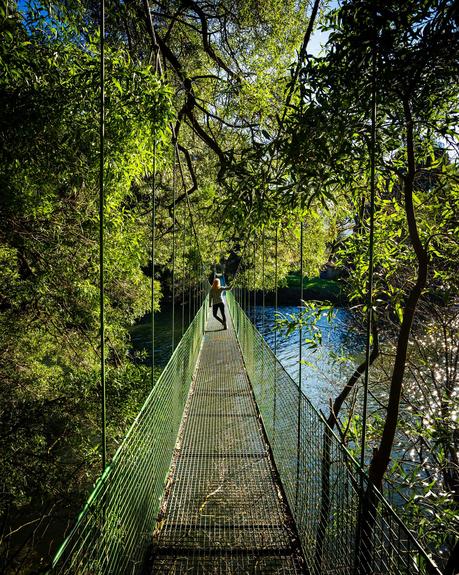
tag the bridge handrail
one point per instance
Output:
(325, 486)
(113, 532)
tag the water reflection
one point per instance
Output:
(166, 333)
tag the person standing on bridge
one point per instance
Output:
(216, 301)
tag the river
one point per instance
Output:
(324, 370)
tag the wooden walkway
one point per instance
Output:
(223, 510)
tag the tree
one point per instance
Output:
(414, 44)
(216, 91)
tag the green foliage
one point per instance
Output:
(308, 317)
(49, 296)
(320, 288)
(414, 48)
(238, 187)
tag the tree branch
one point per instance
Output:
(205, 36)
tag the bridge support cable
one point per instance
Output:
(263, 310)
(254, 282)
(174, 194)
(153, 262)
(276, 278)
(300, 371)
(370, 254)
(365, 527)
(263, 301)
(246, 294)
(183, 275)
(101, 236)
(249, 295)
(189, 278)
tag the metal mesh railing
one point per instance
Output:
(114, 531)
(342, 531)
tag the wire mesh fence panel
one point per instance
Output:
(345, 527)
(113, 532)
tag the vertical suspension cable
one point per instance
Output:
(153, 257)
(195, 289)
(246, 282)
(263, 305)
(183, 274)
(101, 234)
(174, 185)
(370, 256)
(276, 278)
(248, 292)
(300, 372)
(263, 279)
(275, 330)
(254, 285)
(189, 276)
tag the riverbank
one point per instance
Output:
(317, 289)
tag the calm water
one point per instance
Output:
(324, 371)
(166, 334)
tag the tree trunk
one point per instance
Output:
(327, 441)
(381, 456)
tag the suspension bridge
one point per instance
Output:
(223, 472)
(228, 468)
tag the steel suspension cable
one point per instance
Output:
(254, 284)
(276, 278)
(156, 48)
(101, 234)
(243, 289)
(189, 276)
(183, 276)
(275, 330)
(174, 186)
(263, 298)
(153, 258)
(370, 256)
(300, 371)
(158, 71)
(263, 279)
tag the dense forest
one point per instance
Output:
(223, 127)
